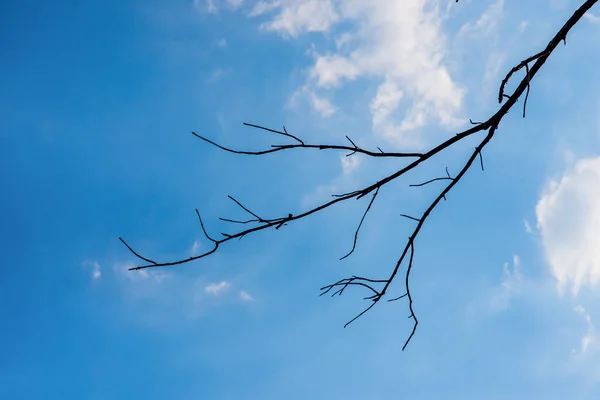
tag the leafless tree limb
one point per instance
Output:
(360, 224)
(281, 147)
(377, 288)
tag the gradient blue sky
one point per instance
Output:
(98, 100)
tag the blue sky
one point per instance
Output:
(98, 101)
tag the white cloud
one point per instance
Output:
(143, 275)
(528, 228)
(522, 26)
(233, 4)
(215, 75)
(217, 288)
(385, 102)
(351, 163)
(293, 17)
(384, 105)
(588, 341)
(568, 219)
(511, 282)
(212, 6)
(246, 297)
(340, 184)
(331, 70)
(568, 156)
(598, 119)
(592, 17)
(141, 285)
(96, 271)
(398, 43)
(486, 23)
(96, 274)
(208, 5)
(322, 105)
(195, 247)
(493, 66)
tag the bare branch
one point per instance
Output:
(377, 288)
(410, 300)
(523, 64)
(409, 217)
(398, 298)
(481, 160)
(136, 254)
(302, 145)
(360, 224)
(204, 229)
(528, 88)
(431, 180)
(350, 140)
(247, 210)
(238, 222)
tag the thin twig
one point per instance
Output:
(360, 224)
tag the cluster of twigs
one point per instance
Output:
(377, 288)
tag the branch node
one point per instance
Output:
(409, 217)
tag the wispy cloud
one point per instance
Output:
(206, 5)
(351, 163)
(96, 270)
(400, 44)
(522, 26)
(96, 274)
(195, 248)
(350, 166)
(246, 297)
(592, 17)
(511, 282)
(486, 23)
(320, 104)
(212, 6)
(589, 341)
(292, 17)
(493, 69)
(528, 228)
(122, 272)
(215, 75)
(568, 219)
(217, 288)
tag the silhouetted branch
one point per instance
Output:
(431, 180)
(377, 288)
(259, 219)
(301, 145)
(136, 254)
(360, 224)
(284, 133)
(481, 160)
(398, 298)
(410, 300)
(409, 217)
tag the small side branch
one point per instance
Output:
(136, 254)
(284, 133)
(301, 145)
(430, 181)
(410, 300)
(258, 219)
(360, 224)
(409, 217)
(523, 64)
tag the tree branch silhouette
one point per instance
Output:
(378, 288)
